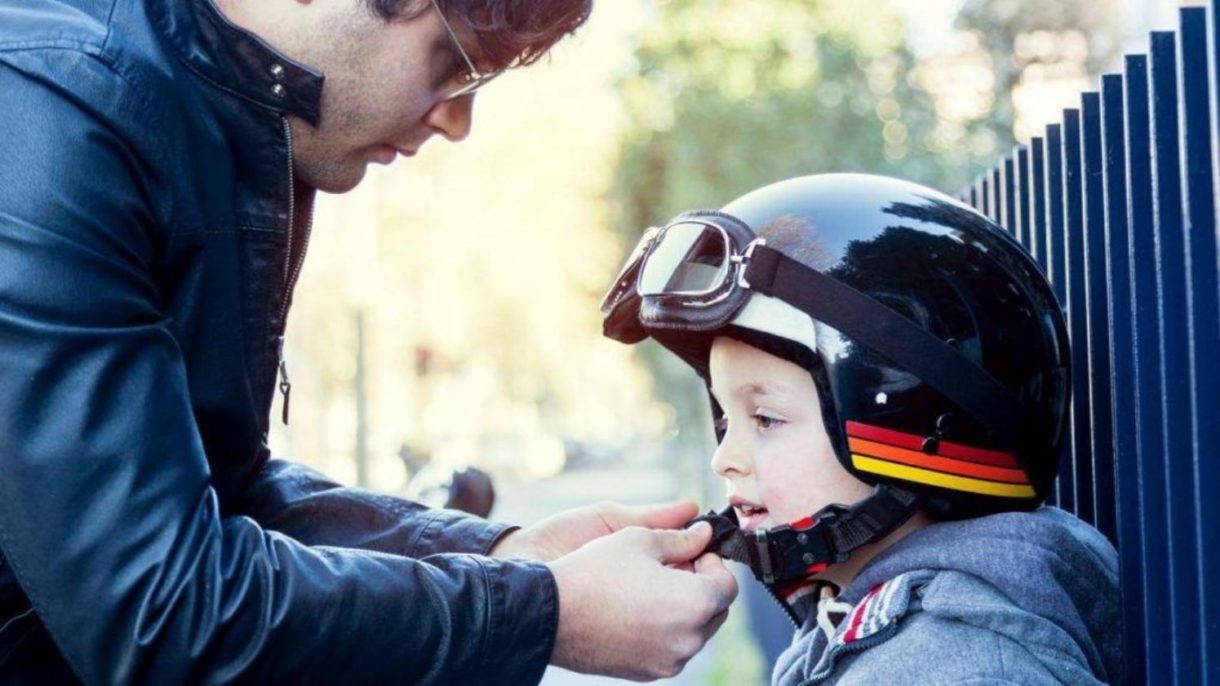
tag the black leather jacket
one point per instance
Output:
(148, 250)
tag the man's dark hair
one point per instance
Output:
(511, 33)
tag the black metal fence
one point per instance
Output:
(1117, 203)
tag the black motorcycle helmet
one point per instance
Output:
(937, 347)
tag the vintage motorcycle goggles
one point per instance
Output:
(688, 275)
(696, 273)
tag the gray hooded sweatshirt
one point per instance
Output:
(1014, 598)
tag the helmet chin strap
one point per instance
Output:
(796, 551)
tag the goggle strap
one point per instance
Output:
(876, 326)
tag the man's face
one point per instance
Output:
(384, 89)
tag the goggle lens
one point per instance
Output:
(691, 259)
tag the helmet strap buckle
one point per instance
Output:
(806, 547)
(799, 550)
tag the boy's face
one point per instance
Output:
(776, 458)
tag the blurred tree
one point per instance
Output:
(725, 98)
(1025, 40)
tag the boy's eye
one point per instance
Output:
(722, 424)
(765, 422)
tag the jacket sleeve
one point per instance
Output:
(305, 505)
(107, 514)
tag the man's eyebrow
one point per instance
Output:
(445, 60)
(472, 46)
(478, 53)
(442, 44)
(481, 61)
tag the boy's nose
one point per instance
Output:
(729, 459)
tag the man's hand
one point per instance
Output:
(627, 610)
(563, 533)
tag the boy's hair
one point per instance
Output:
(511, 33)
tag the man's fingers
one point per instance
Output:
(724, 584)
(714, 625)
(710, 563)
(676, 547)
(667, 516)
(664, 516)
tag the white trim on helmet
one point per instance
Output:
(774, 316)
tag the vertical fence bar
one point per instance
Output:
(1077, 312)
(1118, 339)
(1057, 268)
(1146, 344)
(1009, 205)
(1175, 372)
(1211, 663)
(1022, 196)
(997, 195)
(1203, 302)
(972, 197)
(1213, 46)
(1037, 200)
(1001, 195)
(1120, 206)
(1093, 241)
(996, 182)
(1034, 222)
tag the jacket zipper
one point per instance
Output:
(292, 269)
(791, 613)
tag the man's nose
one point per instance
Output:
(452, 118)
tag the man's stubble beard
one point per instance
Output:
(317, 165)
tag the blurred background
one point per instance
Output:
(447, 315)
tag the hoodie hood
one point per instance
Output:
(1045, 579)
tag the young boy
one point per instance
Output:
(888, 374)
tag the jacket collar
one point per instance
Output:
(237, 60)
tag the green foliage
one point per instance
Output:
(729, 96)
(735, 97)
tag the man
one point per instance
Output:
(157, 168)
